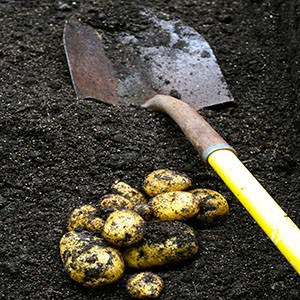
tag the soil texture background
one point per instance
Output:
(58, 153)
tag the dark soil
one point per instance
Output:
(58, 153)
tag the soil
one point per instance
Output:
(58, 153)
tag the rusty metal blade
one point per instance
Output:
(167, 57)
(91, 71)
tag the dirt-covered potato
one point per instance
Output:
(174, 206)
(97, 266)
(72, 244)
(113, 202)
(85, 217)
(164, 180)
(89, 261)
(128, 192)
(213, 205)
(163, 243)
(145, 285)
(123, 228)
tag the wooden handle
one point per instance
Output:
(203, 137)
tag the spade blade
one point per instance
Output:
(167, 57)
(91, 71)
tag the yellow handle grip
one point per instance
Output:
(266, 212)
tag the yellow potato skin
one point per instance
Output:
(176, 244)
(97, 266)
(164, 180)
(89, 261)
(113, 202)
(95, 224)
(123, 228)
(145, 285)
(82, 217)
(172, 206)
(213, 205)
(73, 243)
(128, 192)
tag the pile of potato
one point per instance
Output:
(122, 231)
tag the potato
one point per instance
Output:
(145, 285)
(73, 243)
(89, 261)
(128, 192)
(97, 266)
(163, 243)
(123, 228)
(113, 202)
(174, 206)
(164, 180)
(83, 217)
(213, 205)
